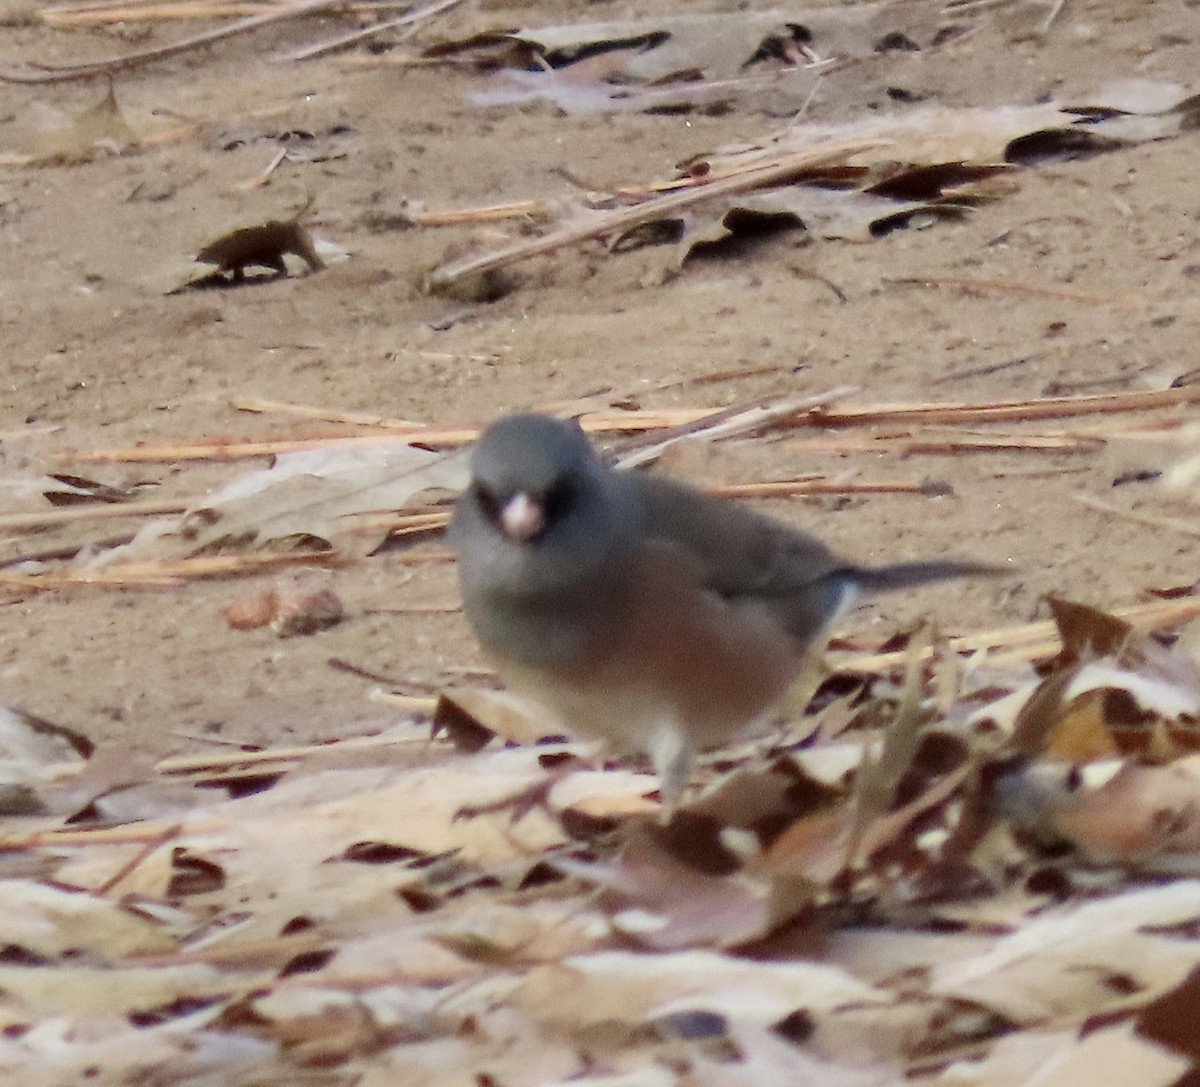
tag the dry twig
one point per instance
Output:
(52, 73)
(1150, 520)
(410, 19)
(976, 285)
(1029, 642)
(609, 422)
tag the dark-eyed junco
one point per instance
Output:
(643, 613)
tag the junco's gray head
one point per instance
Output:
(530, 474)
(538, 528)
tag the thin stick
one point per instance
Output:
(24, 583)
(800, 487)
(101, 511)
(1050, 19)
(51, 73)
(65, 18)
(736, 421)
(410, 19)
(982, 371)
(1034, 640)
(405, 524)
(91, 12)
(165, 574)
(490, 213)
(720, 376)
(1055, 407)
(1009, 443)
(137, 860)
(604, 422)
(905, 442)
(226, 760)
(235, 450)
(1172, 524)
(305, 411)
(35, 430)
(261, 179)
(415, 523)
(977, 285)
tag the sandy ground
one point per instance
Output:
(97, 355)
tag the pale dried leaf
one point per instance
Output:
(103, 996)
(822, 213)
(306, 820)
(99, 129)
(49, 920)
(720, 44)
(317, 494)
(623, 987)
(1170, 696)
(1061, 963)
(34, 755)
(1146, 817)
(1115, 1057)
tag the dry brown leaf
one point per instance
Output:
(98, 130)
(1146, 817)
(473, 715)
(1079, 734)
(63, 1050)
(1081, 959)
(927, 158)
(48, 920)
(662, 902)
(511, 1059)
(605, 794)
(1171, 1020)
(1109, 678)
(349, 924)
(308, 820)
(940, 135)
(253, 611)
(312, 494)
(1113, 1057)
(34, 755)
(821, 213)
(717, 45)
(628, 988)
(124, 873)
(100, 996)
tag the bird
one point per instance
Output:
(639, 611)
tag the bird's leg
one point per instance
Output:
(672, 755)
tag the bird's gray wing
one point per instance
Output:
(746, 556)
(740, 551)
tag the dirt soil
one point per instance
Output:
(97, 354)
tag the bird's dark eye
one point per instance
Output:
(488, 502)
(559, 500)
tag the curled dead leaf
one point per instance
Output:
(306, 611)
(252, 612)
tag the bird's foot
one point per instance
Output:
(671, 752)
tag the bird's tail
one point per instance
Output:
(905, 575)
